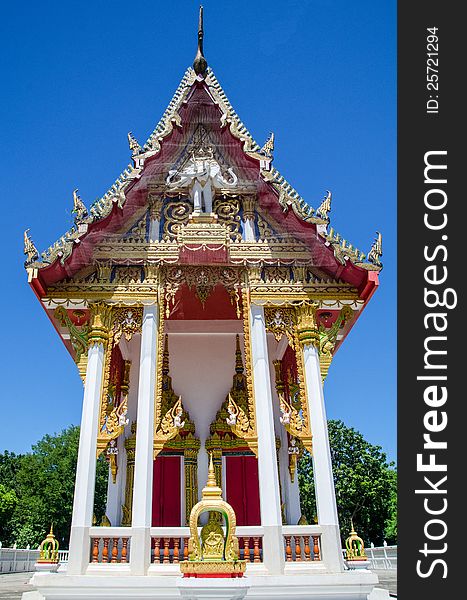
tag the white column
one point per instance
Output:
(154, 226)
(140, 550)
(271, 520)
(249, 226)
(322, 466)
(83, 503)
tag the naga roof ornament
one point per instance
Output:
(79, 209)
(268, 147)
(30, 249)
(376, 250)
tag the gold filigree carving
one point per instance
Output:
(203, 280)
(280, 321)
(227, 209)
(127, 322)
(176, 215)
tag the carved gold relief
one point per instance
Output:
(328, 339)
(126, 321)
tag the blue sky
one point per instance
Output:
(78, 76)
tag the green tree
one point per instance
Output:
(390, 532)
(44, 485)
(364, 480)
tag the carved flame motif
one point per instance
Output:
(171, 422)
(237, 418)
(290, 419)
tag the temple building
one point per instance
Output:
(202, 299)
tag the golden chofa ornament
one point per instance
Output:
(354, 547)
(48, 553)
(214, 552)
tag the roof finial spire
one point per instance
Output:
(200, 64)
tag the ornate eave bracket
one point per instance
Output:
(328, 339)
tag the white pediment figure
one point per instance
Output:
(202, 174)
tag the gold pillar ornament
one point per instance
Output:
(100, 323)
(213, 553)
(130, 447)
(307, 326)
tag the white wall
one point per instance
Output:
(202, 367)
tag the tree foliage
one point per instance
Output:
(365, 485)
(42, 483)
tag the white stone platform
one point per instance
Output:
(350, 585)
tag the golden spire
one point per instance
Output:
(238, 356)
(200, 64)
(211, 489)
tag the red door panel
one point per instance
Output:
(242, 492)
(166, 492)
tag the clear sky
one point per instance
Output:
(78, 75)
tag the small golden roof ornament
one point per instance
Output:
(49, 548)
(200, 64)
(354, 547)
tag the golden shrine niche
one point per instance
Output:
(213, 553)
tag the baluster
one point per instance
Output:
(124, 550)
(157, 554)
(298, 548)
(246, 551)
(306, 547)
(105, 551)
(166, 550)
(114, 558)
(95, 550)
(316, 555)
(288, 548)
(256, 552)
(185, 548)
(176, 545)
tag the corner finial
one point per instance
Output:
(200, 64)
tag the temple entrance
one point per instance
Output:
(166, 492)
(242, 488)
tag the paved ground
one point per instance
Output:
(12, 585)
(387, 579)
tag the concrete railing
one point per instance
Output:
(17, 560)
(381, 557)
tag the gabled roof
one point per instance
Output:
(109, 211)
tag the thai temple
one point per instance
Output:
(203, 299)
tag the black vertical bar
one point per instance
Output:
(431, 247)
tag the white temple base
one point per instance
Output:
(349, 585)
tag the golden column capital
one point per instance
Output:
(307, 325)
(249, 203)
(100, 323)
